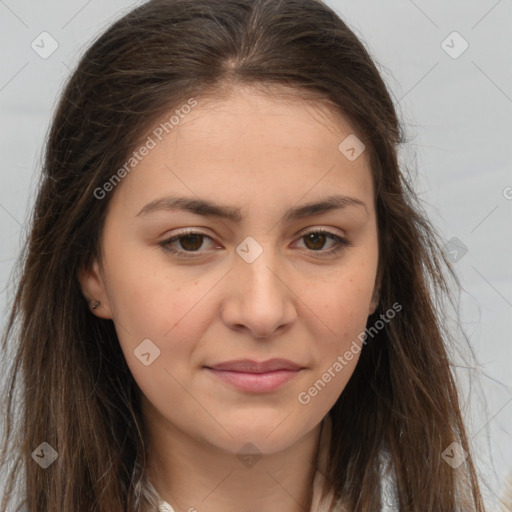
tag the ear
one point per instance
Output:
(93, 288)
(376, 296)
(374, 303)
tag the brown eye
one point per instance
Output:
(315, 241)
(192, 242)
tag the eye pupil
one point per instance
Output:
(194, 237)
(314, 236)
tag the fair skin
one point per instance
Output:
(294, 301)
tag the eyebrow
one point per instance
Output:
(211, 209)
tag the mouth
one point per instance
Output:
(256, 377)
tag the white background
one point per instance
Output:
(458, 112)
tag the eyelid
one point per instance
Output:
(306, 231)
(184, 232)
(320, 229)
(341, 242)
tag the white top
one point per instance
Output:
(165, 507)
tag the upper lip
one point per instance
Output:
(249, 366)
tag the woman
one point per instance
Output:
(228, 299)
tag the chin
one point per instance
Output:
(269, 433)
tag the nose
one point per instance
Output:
(260, 300)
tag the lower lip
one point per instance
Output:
(255, 382)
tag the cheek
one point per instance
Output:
(157, 323)
(342, 304)
(150, 297)
(340, 308)
(152, 311)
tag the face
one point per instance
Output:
(241, 269)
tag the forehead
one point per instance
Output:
(247, 143)
(247, 119)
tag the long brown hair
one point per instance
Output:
(400, 409)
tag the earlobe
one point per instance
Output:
(373, 304)
(375, 297)
(93, 288)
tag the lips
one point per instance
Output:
(253, 376)
(249, 366)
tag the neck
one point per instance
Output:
(193, 476)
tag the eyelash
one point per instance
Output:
(341, 243)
